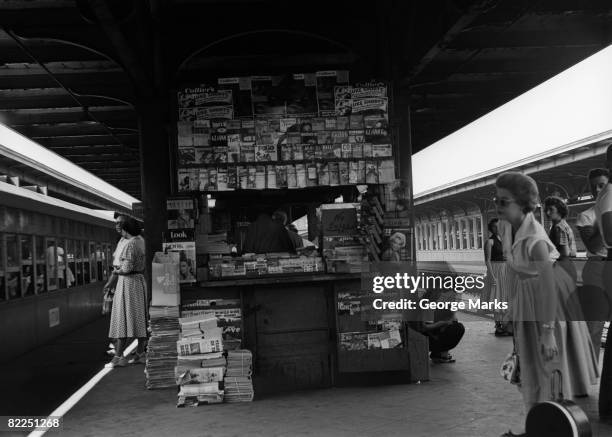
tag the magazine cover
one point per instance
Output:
(310, 151)
(386, 171)
(281, 176)
(334, 173)
(370, 105)
(337, 150)
(291, 176)
(371, 172)
(309, 138)
(187, 114)
(342, 123)
(339, 136)
(367, 150)
(184, 141)
(397, 239)
(212, 179)
(181, 213)
(357, 150)
(343, 100)
(327, 151)
(353, 172)
(183, 242)
(222, 179)
(233, 148)
(252, 178)
(220, 154)
(324, 137)
(243, 177)
(294, 138)
(203, 179)
(318, 148)
(318, 124)
(382, 150)
(302, 95)
(288, 125)
(356, 121)
(260, 177)
(247, 152)
(312, 178)
(215, 112)
(186, 97)
(286, 152)
(186, 155)
(379, 134)
(330, 123)
(346, 150)
(298, 152)
(271, 177)
(241, 94)
(361, 173)
(343, 171)
(326, 83)
(247, 131)
(353, 341)
(323, 173)
(201, 140)
(356, 136)
(266, 153)
(268, 96)
(301, 175)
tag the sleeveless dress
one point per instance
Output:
(129, 313)
(576, 359)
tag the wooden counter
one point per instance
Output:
(290, 323)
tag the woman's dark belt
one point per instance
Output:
(134, 273)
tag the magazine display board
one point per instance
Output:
(283, 132)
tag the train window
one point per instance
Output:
(27, 265)
(478, 232)
(86, 264)
(70, 264)
(13, 271)
(61, 263)
(444, 236)
(93, 264)
(2, 271)
(102, 269)
(52, 263)
(78, 257)
(41, 268)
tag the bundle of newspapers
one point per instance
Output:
(237, 382)
(161, 351)
(201, 365)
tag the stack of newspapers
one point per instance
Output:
(161, 350)
(201, 365)
(237, 382)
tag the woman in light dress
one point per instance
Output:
(544, 339)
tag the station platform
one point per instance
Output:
(464, 399)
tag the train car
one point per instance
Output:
(54, 260)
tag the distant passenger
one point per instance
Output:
(497, 281)
(603, 216)
(561, 233)
(542, 336)
(595, 306)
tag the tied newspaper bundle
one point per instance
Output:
(201, 364)
(238, 383)
(161, 351)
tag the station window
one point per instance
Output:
(41, 268)
(70, 264)
(467, 233)
(444, 236)
(78, 255)
(93, 263)
(52, 263)
(27, 265)
(434, 236)
(13, 271)
(457, 235)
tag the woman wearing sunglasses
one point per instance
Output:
(543, 339)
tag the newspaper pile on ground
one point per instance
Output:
(201, 365)
(161, 350)
(237, 382)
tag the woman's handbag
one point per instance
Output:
(107, 302)
(510, 369)
(557, 417)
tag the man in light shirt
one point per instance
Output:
(593, 300)
(603, 216)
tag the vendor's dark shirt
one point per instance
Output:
(295, 239)
(265, 235)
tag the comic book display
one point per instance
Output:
(283, 132)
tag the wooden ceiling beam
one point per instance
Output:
(71, 129)
(66, 115)
(85, 140)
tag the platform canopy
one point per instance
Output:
(76, 74)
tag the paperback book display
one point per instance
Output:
(161, 350)
(261, 265)
(282, 132)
